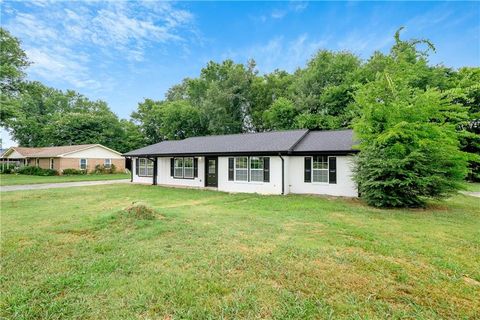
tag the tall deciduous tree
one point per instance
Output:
(13, 62)
(148, 118)
(324, 88)
(281, 115)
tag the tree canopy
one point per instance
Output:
(402, 107)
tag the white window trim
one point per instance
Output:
(175, 168)
(328, 173)
(183, 176)
(80, 163)
(105, 163)
(235, 170)
(192, 167)
(147, 164)
(249, 170)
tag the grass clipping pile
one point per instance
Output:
(141, 211)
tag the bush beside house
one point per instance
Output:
(37, 171)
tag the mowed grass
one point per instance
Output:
(74, 253)
(18, 179)
(473, 187)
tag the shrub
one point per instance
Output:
(409, 146)
(70, 171)
(37, 171)
(7, 168)
(100, 169)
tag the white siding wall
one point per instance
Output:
(272, 187)
(165, 178)
(138, 179)
(163, 174)
(294, 178)
(94, 152)
(344, 186)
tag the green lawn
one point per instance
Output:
(73, 253)
(16, 179)
(473, 187)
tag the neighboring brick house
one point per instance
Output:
(83, 157)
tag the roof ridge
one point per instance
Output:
(237, 134)
(330, 130)
(299, 140)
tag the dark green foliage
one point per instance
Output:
(408, 167)
(281, 115)
(100, 169)
(7, 168)
(13, 62)
(37, 171)
(50, 117)
(408, 140)
(333, 90)
(73, 172)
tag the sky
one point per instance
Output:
(124, 51)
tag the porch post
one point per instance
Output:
(155, 168)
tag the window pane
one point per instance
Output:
(149, 164)
(320, 162)
(241, 174)
(256, 163)
(188, 162)
(178, 162)
(188, 173)
(241, 163)
(320, 175)
(256, 175)
(211, 166)
(178, 170)
(83, 164)
(188, 167)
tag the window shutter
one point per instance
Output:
(308, 169)
(266, 169)
(172, 166)
(195, 167)
(231, 163)
(332, 170)
(137, 164)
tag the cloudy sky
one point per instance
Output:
(122, 52)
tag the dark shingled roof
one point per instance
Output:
(263, 142)
(337, 140)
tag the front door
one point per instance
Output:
(211, 171)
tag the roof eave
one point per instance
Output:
(244, 153)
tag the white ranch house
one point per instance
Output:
(279, 162)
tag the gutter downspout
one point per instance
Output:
(283, 173)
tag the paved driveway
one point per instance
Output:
(60, 185)
(471, 193)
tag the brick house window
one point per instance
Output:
(83, 164)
